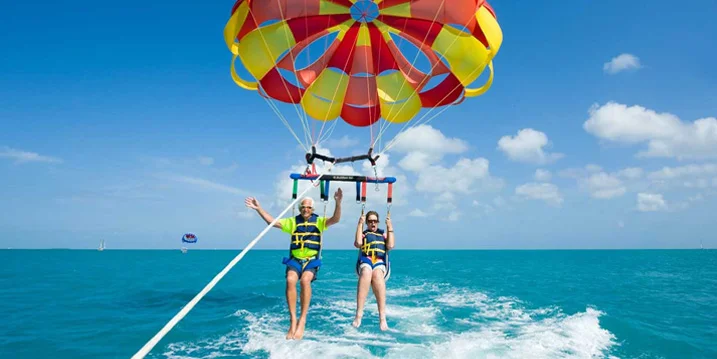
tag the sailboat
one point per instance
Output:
(102, 245)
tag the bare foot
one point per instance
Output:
(292, 330)
(383, 325)
(357, 320)
(300, 329)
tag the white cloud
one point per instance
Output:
(453, 216)
(599, 183)
(668, 173)
(416, 161)
(690, 200)
(698, 183)
(650, 202)
(542, 175)
(424, 146)
(427, 139)
(24, 157)
(604, 186)
(664, 133)
(547, 192)
(528, 146)
(694, 176)
(487, 207)
(446, 210)
(699, 179)
(446, 197)
(622, 62)
(461, 178)
(577, 173)
(631, 173)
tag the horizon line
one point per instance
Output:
(351, 249)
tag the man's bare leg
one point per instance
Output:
(306, 279)
(291, 279)
(364, 283)
(379, 289)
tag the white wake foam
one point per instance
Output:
(490, 327)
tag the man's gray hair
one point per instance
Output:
(311, 201)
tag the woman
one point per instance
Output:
(373, 266)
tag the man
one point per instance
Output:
(373, 264)
(306, 231)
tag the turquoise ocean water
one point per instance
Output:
(441, 304)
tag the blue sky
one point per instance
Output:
(121, 122)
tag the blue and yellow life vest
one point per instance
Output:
(374, 252)
(306, 234)
(374, 245)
